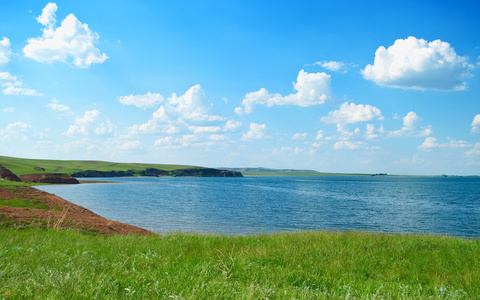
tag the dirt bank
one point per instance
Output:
(54, 212)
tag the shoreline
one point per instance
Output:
(26, 206)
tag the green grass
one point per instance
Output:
(7, 183)
(46, 264)
(24, 203)
(21, 166)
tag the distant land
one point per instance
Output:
(26, 168)
(259, 171)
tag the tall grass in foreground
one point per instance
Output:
(41, 264)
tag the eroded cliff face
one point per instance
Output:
(6, 174)
(191, 172)
(57, 178)
(205, 172)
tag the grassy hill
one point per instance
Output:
(22, 166)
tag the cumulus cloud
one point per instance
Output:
(417, 64)
(411, 127)
(54, 105)
(14, 129)
(319, 134)
(373, 133)
(5, 51)
(142, 101)
(13, 86)
(431, 143)
(15, 91)
(179, 111)
(192, 105)
(91, 123)
(333, 65)
(47, 18)
(311, 89)
(256, 132)
(348, 145)
(299, 136)
(353, 113)
(476, 123)
(72, 42)
(130, 145)
(474, 151)
(169, 142)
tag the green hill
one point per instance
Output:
(22, 166)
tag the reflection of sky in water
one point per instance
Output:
(269, 204)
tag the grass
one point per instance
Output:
(47, 264)
(24, 203)
(21, 166)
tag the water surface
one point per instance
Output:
(271, 204)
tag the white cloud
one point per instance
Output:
(14, 129)
(476, 123)
(54, 105)
(417, 64)
(130, 145)
(431, 143)
(474, 151)
(5, 51)
(9, 109)
(164, 141)
(179, 111)
(319, 134)
(217, 137)
(232, 125)
(15, 91)
(47, 18)
(353, 113)
(332, 65)
(142, 101)
(90, 123)
(311, 89)
(204, 129)
(299, 136)
(9, 79)
(72, 42)
(13, 86)
(411, 127)
(372, 133)
(169, 142)
(348, 145)
(192, 105)
(256, 132)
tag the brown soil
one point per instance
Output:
(60, 214)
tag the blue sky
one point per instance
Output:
(334, 86)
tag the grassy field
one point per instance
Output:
(48, 264)
(22, 166)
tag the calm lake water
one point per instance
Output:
(271, 204)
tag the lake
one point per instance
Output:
(249, 205)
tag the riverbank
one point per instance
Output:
(22, 206)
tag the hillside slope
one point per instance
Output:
(93, 168)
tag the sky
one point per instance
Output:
(332, 86)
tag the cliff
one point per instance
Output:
(57, 178)
(205, 172)
(6, 174)
(153, 172)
